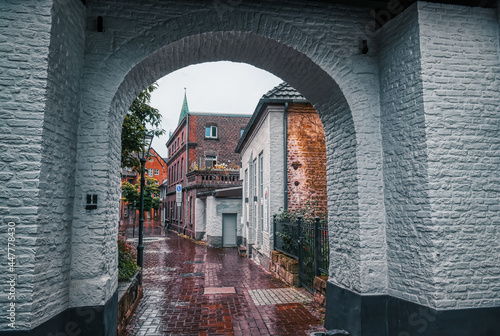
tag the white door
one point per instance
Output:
(228, 229)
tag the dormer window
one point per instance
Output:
(211, 132)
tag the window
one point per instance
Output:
(245, 195)
(210, 161)
(211, 132)
(246, 182)
(150, 172)
(261, 194)
(151, 159)
(157, 172)
(255, 200)
(242, 131)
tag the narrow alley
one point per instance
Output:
(190, 289)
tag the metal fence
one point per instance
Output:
(306, 240)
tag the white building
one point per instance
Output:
(264, 173)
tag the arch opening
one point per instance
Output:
(319, 88)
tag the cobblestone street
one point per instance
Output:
(190, 289)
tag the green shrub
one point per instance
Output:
(127, 265)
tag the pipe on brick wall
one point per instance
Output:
(285, 156)
(186, 211)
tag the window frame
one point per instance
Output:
(212, 128)
(214, 161)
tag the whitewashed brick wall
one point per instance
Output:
(42, 47)
(461, 81)
(49, 72)
(440, 76)
(405, 167)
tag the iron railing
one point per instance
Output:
(306, 240)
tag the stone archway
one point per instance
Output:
(412, 178)
(345, 100)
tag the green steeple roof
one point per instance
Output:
(185, 108)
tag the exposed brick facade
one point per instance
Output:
(195, 175)
(306, 159)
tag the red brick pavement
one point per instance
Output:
(176, 271)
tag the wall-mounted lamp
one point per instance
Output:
(91, 202)
(100, 24)
(364, 51)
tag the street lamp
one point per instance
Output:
(146, 145)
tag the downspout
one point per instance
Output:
(186, 206)
(285, 155)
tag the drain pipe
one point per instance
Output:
(285, 156)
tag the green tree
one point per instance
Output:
(140, 116)
(151, 194)
(130, 192)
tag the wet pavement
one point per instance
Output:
(190, 289)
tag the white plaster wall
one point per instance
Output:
(215, 208)
(200, 216)
(267, 138)
(214, 229)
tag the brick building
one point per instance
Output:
(156, 168)
(201, 159)
(283, 163)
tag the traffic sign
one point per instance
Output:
(178, 194)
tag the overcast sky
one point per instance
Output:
(225, 87)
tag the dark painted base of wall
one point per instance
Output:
(217, 241)
(199, 235)
(384, 315)
(81, 321)
(214, 241)
(260, 259)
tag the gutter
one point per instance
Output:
(187, 144)
(285, 156)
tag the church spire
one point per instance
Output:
(185, 108)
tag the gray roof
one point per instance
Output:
(283, 91)
(281, 94)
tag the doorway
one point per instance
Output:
(228, 230)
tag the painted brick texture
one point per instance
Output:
(461, 80)
(405, 157)
(411, 133)
(440, 146)
(40, 109)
